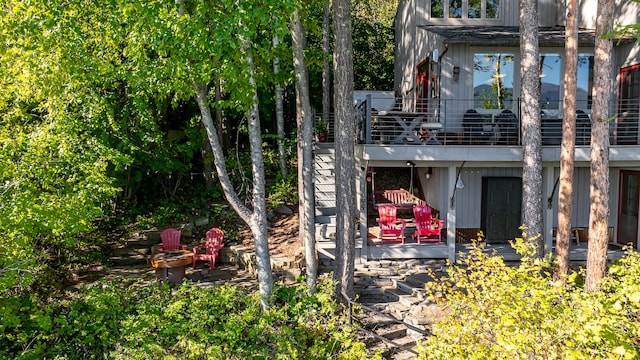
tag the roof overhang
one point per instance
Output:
(505, 35)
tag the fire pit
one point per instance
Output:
(170, 265)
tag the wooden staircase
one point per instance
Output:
(325, 202)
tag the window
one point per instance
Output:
(585, 81)
(550, 77)
(493, 80)
(465, 9)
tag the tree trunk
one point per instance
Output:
(279, 114)
(257, 220)
(565, 197)
(599, 190)
(326, 70)
(259, 216)
(305, 160)
(222, 124)
(531, 135)
(344, 142)
(207, 163)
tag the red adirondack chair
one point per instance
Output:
(211, 247)
(389, 230)
(171, 240)
(428, 228)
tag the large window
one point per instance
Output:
(465, 9)
(550, 81)
(493, 80)
(585, 81)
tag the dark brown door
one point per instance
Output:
(629, 202)
(501, 210)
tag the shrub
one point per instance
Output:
(127, 321)
(498, 311)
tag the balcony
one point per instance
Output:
(461, 122)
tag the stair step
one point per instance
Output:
(325, 203)
(128, 260)
(392, 332)
(417, 292)
(407, 299)
(372, 281)
(326, 211)
(326, 219)
(132, 251)
(325, 178)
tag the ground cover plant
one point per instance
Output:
(119, 320)
(498, 311)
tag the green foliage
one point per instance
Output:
(321, 127)
(373, 44)
(284, 191)
(125, 321)
(497, 311)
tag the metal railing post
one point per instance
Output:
(367, 120)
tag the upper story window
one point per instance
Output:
(550, 81)
(552, 84)
(493, 75)
(585, 81)
(465, 9)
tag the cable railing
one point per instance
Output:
(467, 122)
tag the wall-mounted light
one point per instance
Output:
(429, 173)
(410, 163)
(456, 74)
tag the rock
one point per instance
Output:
(270, 216)
(201, 221)
(186, 230)
(284, 210)
(151, 235)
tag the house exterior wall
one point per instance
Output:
(415, 44)
(626, 55)
(625, 12)
(581, 202)
(405, 32)
(469, 198)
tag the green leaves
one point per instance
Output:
(499, 311)
(122, 320)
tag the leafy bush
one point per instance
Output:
(497, 311)
(127, 321)
(284, 191)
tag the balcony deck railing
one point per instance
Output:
(461, 122)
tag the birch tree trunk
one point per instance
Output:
(305, 159)
(530, 110)
(222, 124)
(599, 186)
(207, 163)
(279, 113)
(258, 222)
(257, 217)
(567, 154)
(344, 141)
(326, 70)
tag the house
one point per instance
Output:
(455, 127)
